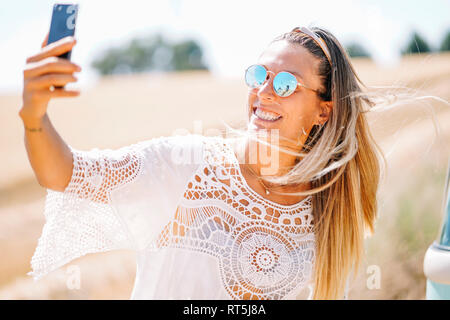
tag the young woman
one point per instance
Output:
(278, 211)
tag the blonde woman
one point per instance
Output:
(278, 212)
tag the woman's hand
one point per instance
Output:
(42, 73)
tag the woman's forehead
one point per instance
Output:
(285, 56)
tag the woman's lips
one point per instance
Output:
(265, 114)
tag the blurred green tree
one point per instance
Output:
(150, 53)
(356, 50)
(445, 45)
(187, 55)
(416, 44)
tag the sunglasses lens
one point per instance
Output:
(284, 84)
(255, 76)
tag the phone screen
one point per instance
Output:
(64, 18)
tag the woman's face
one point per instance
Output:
(299, 111)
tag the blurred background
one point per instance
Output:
(153, 69)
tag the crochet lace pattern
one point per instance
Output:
(265, 250)
(70, 230)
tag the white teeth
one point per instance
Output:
(266, 115)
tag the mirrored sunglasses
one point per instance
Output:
(284, 83)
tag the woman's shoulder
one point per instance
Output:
(189, 149)
(216, 144)
(171, 143)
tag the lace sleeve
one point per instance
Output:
(97, 172)
(116, 199)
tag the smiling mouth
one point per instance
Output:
(264, 115)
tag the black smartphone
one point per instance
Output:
(64, 19)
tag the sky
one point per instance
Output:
(232, 33)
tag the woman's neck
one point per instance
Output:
(279, 164)
(265, 159)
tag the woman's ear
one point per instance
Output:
(325, 110)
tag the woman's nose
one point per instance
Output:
(265, 90)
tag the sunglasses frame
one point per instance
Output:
(275, 75)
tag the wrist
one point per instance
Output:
(32, 123)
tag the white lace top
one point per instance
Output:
(182, 203)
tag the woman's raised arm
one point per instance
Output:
(49, 156)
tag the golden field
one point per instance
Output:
(121, 110)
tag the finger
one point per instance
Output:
(44, 43)
(54, 49)
(50, 65)
(61, 93)
(47, 80)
